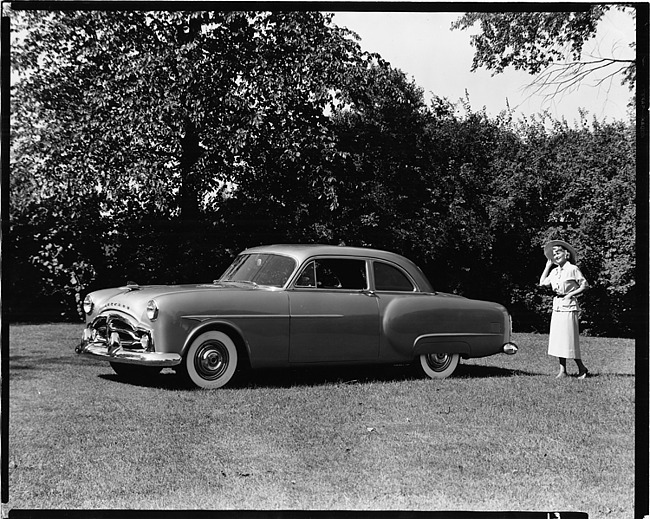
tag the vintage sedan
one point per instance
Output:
(292, 305)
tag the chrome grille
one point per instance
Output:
(105, 325)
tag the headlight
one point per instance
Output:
(88, 304)
(152, 310)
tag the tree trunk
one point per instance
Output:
(189, 189)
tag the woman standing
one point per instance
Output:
(567, 282)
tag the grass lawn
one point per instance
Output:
(501, 434)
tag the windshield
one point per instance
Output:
(260, 269)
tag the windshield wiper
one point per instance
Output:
(245, 281)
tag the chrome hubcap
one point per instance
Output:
(438, 361)
(211, 360)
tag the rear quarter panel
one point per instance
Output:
(413, 324)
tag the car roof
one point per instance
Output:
(302, 252)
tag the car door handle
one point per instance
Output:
(369, 293)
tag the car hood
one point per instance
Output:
(134, 298)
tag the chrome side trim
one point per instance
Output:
(202, 318)
(456, 335)
(320, 316)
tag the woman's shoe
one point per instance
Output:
(561, 374)
(584, 374)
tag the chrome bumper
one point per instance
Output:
(131, 357)
(510, 348)
(114, 352)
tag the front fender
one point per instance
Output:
(232, 330)
(257, 321)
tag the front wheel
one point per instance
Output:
(211, 360)
(439, 365)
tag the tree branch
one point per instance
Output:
(566, 77)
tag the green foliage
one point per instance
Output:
(153, 146)
(531, 41)
(575, 184)
(598, 210)
(151, 113)
(381, 183)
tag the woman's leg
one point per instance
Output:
(582, 369)
(562, 372)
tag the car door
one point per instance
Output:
(333, 315)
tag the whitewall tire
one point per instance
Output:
(211, 360)
(439, 365)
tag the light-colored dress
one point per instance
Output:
(564, 336)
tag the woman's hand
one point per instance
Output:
(544, 277)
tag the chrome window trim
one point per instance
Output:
(296, 275)
(408, 276)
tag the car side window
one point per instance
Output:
(334, 273)
(307, 278)
(390, 278)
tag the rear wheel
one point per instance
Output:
(133, 371)
(211, 360)
(439, 365)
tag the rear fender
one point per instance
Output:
(440, 344)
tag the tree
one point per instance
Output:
(154, 146)
(414, 178)
(284, 175)
(547, 44)
(576, 183)
(380, 182)
(157, 117)
(596, 209)
(176, 94)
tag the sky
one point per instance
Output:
(439, 60)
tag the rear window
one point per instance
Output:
(390, 278)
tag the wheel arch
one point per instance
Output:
(232, 331)
(426, 344)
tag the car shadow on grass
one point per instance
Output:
(164, 380)
(474, 371)
(279, 378)
(317, 376)
(363, 375)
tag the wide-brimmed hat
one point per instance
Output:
(548, 249)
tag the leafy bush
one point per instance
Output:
(183, 138)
